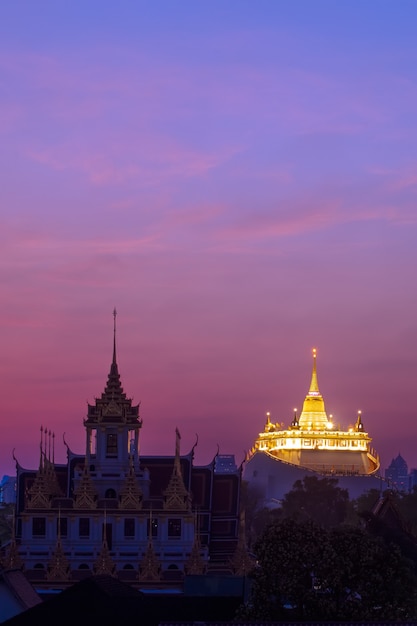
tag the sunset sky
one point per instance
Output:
(238, 179)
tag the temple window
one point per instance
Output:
(129, 530)
(84, 527)
(38, 527)
(62, 526)
(111, 448)
(174, 528)
(153, 524)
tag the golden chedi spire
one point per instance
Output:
(314, 416)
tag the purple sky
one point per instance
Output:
(238, 179)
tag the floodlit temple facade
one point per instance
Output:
(149, 520)
(311, 444)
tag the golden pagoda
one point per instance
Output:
(312, 442)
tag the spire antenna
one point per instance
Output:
(114, 334)
(314, 386)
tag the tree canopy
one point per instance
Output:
(312, 572)
(316, 499)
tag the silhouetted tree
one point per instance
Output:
(316, 499)
(288, 554)
(257, 516)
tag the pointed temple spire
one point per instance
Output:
(114, 388)
(113, 405)
(114, 335)
(359, 424)
(313, 415)
(314, 386)
(176, 495)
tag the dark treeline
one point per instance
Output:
(322, 556)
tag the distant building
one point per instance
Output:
(397, 474)
(311, 445)
(148, 520)
(8, 490)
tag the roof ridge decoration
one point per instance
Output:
(131, 494)
(176, 496)
(45, 484)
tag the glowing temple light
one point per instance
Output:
(314, 434)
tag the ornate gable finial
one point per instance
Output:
(131, 495)
(58, 567)
(195, 564)
(12, 558)
(176, 495)
(242, 562)
(150, 567)
(85, 496)
(104, 564)
(39, 495)
(49, 467)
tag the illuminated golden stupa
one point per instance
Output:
(312, 442)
